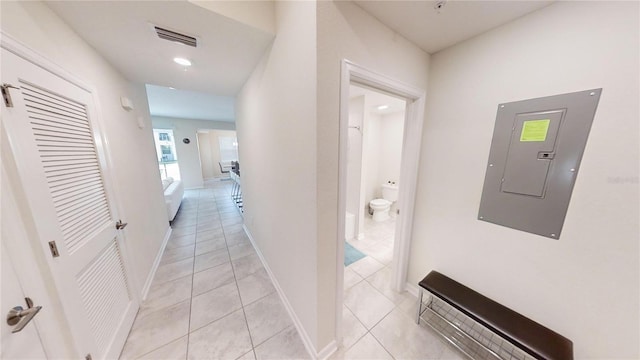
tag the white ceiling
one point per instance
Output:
(121, 31)
(186, 104)
(458, 20)
(376, 98)
(228, 50)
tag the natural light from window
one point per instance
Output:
(166, 152)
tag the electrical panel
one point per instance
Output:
(534, 161)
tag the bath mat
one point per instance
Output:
(351, 254)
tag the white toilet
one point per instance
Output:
(381, 207)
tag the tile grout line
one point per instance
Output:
(193, 273)
(244, 314)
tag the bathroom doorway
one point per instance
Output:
(367, 291)
(375, 138)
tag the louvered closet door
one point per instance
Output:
(52, 135)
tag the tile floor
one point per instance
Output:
(211, 297)
(379, 323)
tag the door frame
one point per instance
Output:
(33, 264)
(412, 139)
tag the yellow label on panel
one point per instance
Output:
(535, 130)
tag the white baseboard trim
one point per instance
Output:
(156, 263)
(308, 344)
(361, 236)
(327, 351)
(411, 289)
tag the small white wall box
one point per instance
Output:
(126, 103)
(534, 160)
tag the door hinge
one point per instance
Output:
(120, 225)
(54, 249)
(6, 95)
(88, 357)
(398, 211)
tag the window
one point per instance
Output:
(166, 152)
(228, 148)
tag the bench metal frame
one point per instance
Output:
(488, 345)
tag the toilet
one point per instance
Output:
(381, 207)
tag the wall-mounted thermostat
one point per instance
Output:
(534, 160)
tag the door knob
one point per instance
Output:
(20, 317)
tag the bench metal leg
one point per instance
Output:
(419, 307)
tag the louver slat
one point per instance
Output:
(64, 138)
(103, 288)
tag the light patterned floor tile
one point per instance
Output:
(226, 338)
(255, 286)
(367, 304)
(266, 317)
(157, 329)
(368, 348)
(213, 305)
(285, 345)
(212, 278)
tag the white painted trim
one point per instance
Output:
(414, 120)
(411, 289)
(156, 263)
(306, 340)
(9, 43)
(328, 350)
(361, 236)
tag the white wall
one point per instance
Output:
(188, 154)
(584, 285)
(392, 127)
(135, 173)
(372, 135)
(345, 31)
(383, 139)
(276, 126)
(355, 161)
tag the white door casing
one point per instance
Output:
(412, 139)
(61, 166)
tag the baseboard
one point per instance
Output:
(411, 289)
(327, 351)
(361, 236)
(308, 344)
(156, 263)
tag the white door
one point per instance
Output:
(26, 343)
(52, 134)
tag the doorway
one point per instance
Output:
(217, 150)
(414, 98)
(375, 137)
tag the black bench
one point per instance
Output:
(524, 333)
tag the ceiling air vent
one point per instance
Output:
(174, 36)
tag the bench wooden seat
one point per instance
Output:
(524, 333)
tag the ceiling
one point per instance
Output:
(122, 31)
(187, 104)
(376, 99)
(231, 45)
(457, 21)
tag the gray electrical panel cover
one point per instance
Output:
(534, 161)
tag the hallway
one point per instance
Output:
(211, 296)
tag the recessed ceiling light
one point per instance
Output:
(182, 61)
(383, 107)
(172, 88)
